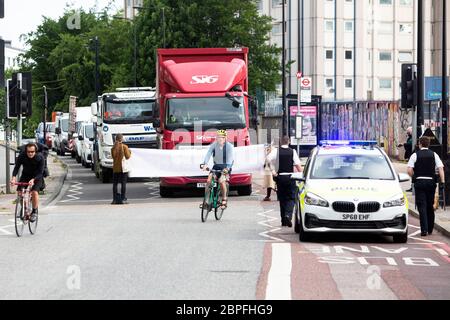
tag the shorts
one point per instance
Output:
(38, 184)
(222, 177)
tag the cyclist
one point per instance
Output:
(33, 165)
(223, 156)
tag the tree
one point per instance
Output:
(207, 23)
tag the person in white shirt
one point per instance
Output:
(422, 167)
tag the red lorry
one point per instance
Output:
(198, 92)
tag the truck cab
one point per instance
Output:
(129, 111)
(200, 91)
(61, 140)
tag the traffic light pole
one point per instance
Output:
(444, 83)
(19, 115)
(420, 72)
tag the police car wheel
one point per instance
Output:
(303, 235)
(296, 222)
(401, 238)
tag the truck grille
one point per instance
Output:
(367, 207)
(343, 206)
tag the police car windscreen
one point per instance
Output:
(139, 111)
(351, 167)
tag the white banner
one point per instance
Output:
(153, 163)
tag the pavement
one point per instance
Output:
(58, 173)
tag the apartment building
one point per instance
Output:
(129, 11)
(353, 49)
(11, 55)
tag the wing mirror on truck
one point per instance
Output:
(237, 101)
(156, 123)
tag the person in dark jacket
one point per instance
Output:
(33, 164)
(286, 160)
(422, 167)
(42, 149)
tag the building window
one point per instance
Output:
(329, 54)
(385, 2)
(348, 54)
(329, 83)
(369, 55)
(385, 28)
(385, 83)
(276, 3)
(369, 84)
(405, 28)
(276, 29)
(348, 26)
(405, 56)
(260, 5)
(348, 83)
(385, 56)
(405, 2)
(329, 25)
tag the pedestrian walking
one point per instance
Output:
(286, 160)
(422, 167)
(269, 183)
(120, 154)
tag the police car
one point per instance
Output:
(350, 186)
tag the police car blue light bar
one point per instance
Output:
(364, 143)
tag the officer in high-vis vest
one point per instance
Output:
(286, 160)
(422, 167)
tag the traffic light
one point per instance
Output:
(19, 95)
(409, 85)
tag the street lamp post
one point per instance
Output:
(444, 83)
(283, 80)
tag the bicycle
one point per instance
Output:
(213, 198)
(23, 210)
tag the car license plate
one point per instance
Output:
(355, 217)
(201, 185)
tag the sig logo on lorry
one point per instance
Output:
(204, 79)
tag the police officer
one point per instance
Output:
(287, 159)
(422, 167)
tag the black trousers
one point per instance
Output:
(286, 196)
(425, 190)
(119, 177)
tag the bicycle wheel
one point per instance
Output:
(19, 217)
(206, 205)
(218, 210)
(33, 225)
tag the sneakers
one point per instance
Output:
(33, 215)
(266, 199)
(286, 222)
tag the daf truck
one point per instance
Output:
(128, 111)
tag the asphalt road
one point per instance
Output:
(157, 248)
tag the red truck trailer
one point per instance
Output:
(198, 92)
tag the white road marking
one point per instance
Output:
(266, 223)
(75, 192)
(279, 278)
(442, 252)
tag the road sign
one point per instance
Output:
(305, 89)
(299, 75)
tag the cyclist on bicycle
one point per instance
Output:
(222, 153)
(33, 165)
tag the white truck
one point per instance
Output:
(76, 117)
(128, 111)
(61, 140)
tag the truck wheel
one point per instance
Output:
(296, 221)
(78, 158)
(104, 175)
(245, 191)
(165, 192)
(73, 154)
(62, 152)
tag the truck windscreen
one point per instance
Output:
(208, 112)
(128, 111)
(65, 125)
(89, 131)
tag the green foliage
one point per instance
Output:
(207, 23)
(63, 60)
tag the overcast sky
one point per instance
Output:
(23, 16)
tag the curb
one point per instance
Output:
(442, 230)
(60, 183)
